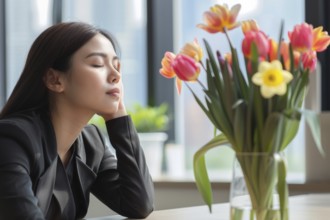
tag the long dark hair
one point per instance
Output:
(53, 48)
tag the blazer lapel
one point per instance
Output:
(63, 193)
(45, 187)
(86, 176)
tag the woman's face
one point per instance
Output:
(93, 82)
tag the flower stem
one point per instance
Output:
(228, 38)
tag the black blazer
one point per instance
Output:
(33, 180)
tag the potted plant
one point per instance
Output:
(151, 122)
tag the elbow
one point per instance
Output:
(142, 213)
(143, 210)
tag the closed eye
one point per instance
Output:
(97, 65)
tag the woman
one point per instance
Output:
(49, 159)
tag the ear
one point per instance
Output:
(54, 80)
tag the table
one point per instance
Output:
(302, 207)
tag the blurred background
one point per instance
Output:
(145, 29)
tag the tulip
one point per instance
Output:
(285, 53)
(186, 68)
(167, 70)
(321, 39)
(309, 60)
(301, 37)
(193, 50)
(249, 25)
(220, 18)
(229, 58)
(273, 48)
(259, 39)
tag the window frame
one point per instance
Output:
(3, 86)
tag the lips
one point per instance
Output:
(114, 92)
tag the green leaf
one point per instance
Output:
(239, 127)
(282, 189)
(314, 125)
(280, 38)
(291, 126)
(270, 131)
(200, 171)
(215, 68)
(240, 83)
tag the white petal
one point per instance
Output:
(287, 76)
(276, 64)
(267, 92)
(263, 66)
(257, 78)
(281, 89)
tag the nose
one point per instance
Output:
(114, 75)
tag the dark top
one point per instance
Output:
(34, 184)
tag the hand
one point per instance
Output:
(121, 111)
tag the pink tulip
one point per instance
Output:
(186, 68)
(301, 37)
(260, 40)
(309, 60)
(321, 39)
(167, 70)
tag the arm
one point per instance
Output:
(17, 200)
(128, 190)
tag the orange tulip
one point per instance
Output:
(229, 58)
(273, 48)
(193, 50)
(321, 39)
(167, 70)
(301, 37)
(249, 25)
(220, 18)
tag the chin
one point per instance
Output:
(110, 109)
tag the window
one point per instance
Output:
(126, 20)
(24, 21)
(196, 129)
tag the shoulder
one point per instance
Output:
(27, 128)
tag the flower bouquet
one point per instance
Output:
(256, 109)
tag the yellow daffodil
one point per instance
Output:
(219, 18)
(272, 78)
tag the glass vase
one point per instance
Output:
(258, 189)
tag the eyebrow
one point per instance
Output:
(101, 55)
